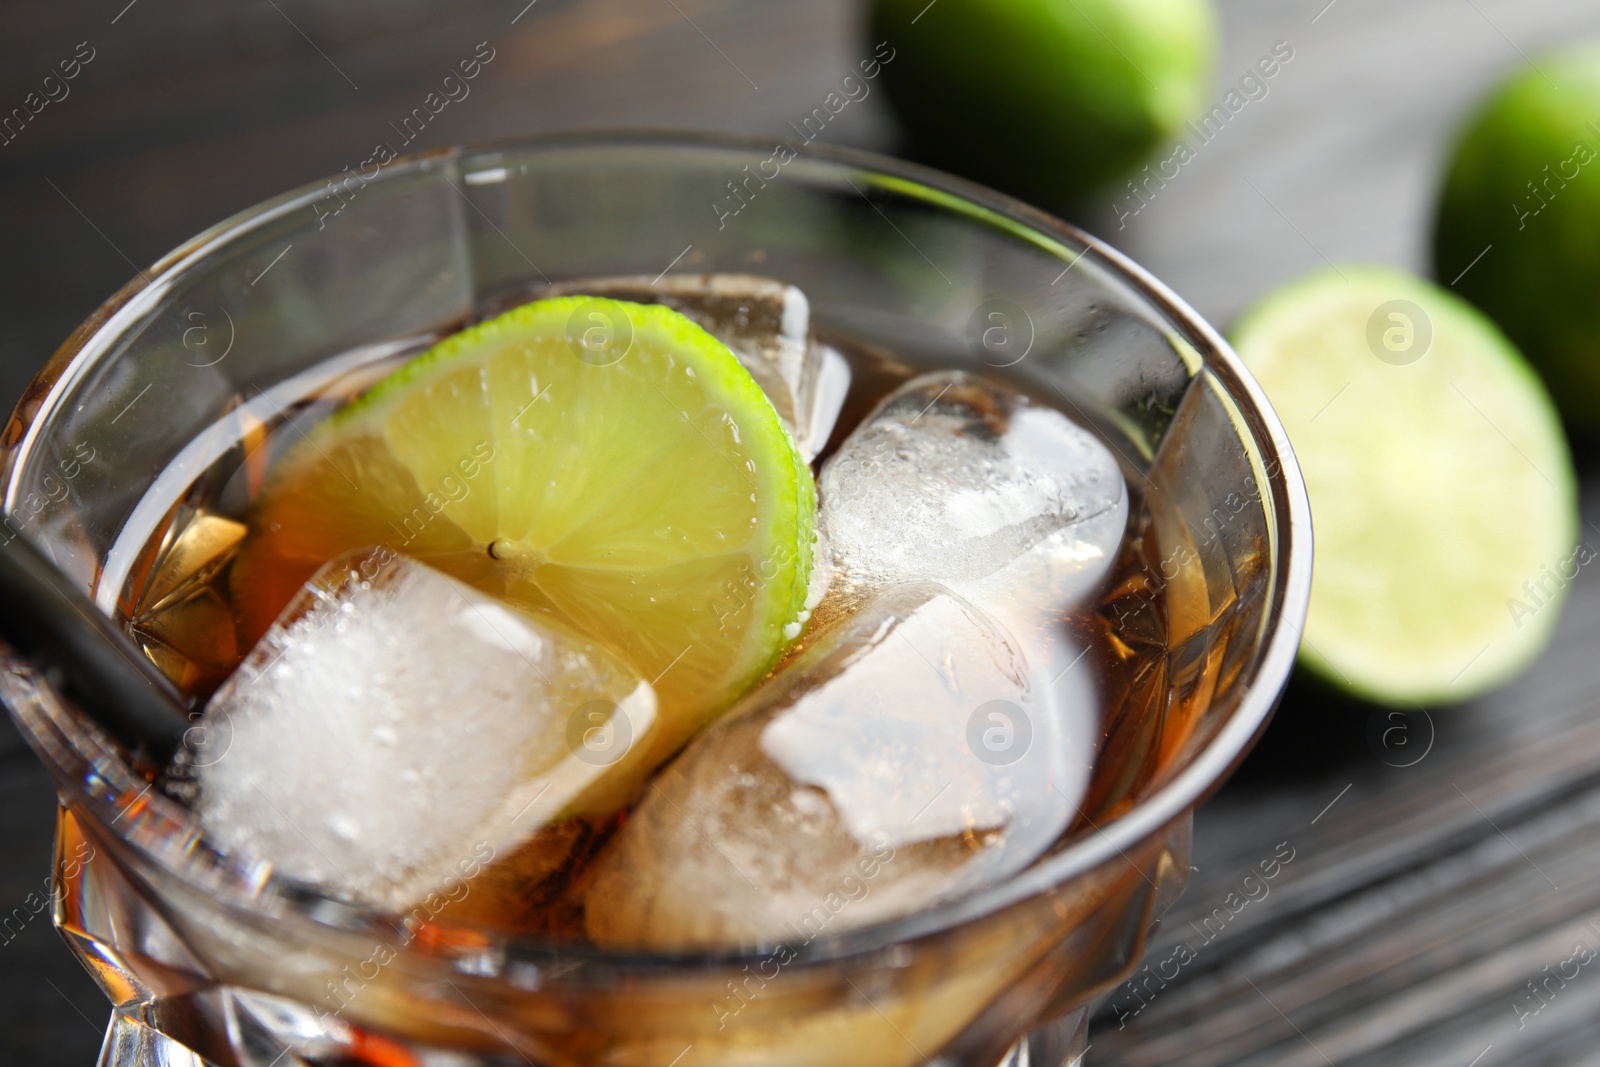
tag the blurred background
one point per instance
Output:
(1441, 858)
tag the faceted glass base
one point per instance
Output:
(131, 1043)
(170, 1009)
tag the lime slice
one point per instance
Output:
(608, 463)
(1442, 494)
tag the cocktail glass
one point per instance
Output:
(212, 956)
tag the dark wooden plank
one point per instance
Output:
(190, 112)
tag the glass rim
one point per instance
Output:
(1179, 795)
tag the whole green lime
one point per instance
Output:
(1046, 99)
(1523, 193)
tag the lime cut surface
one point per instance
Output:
(608, 463)
(1442, 493)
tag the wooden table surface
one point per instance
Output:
(1440, 863)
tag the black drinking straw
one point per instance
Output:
(43, 616)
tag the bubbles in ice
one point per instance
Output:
(395, 728)
(767, 325)
(954, 478)
(888, 739)
(911, 755)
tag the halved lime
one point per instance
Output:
(1442, 494)
(605, 462)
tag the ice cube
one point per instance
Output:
(956, 479)
(767, 325)
(395, 730)
(910, 755)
